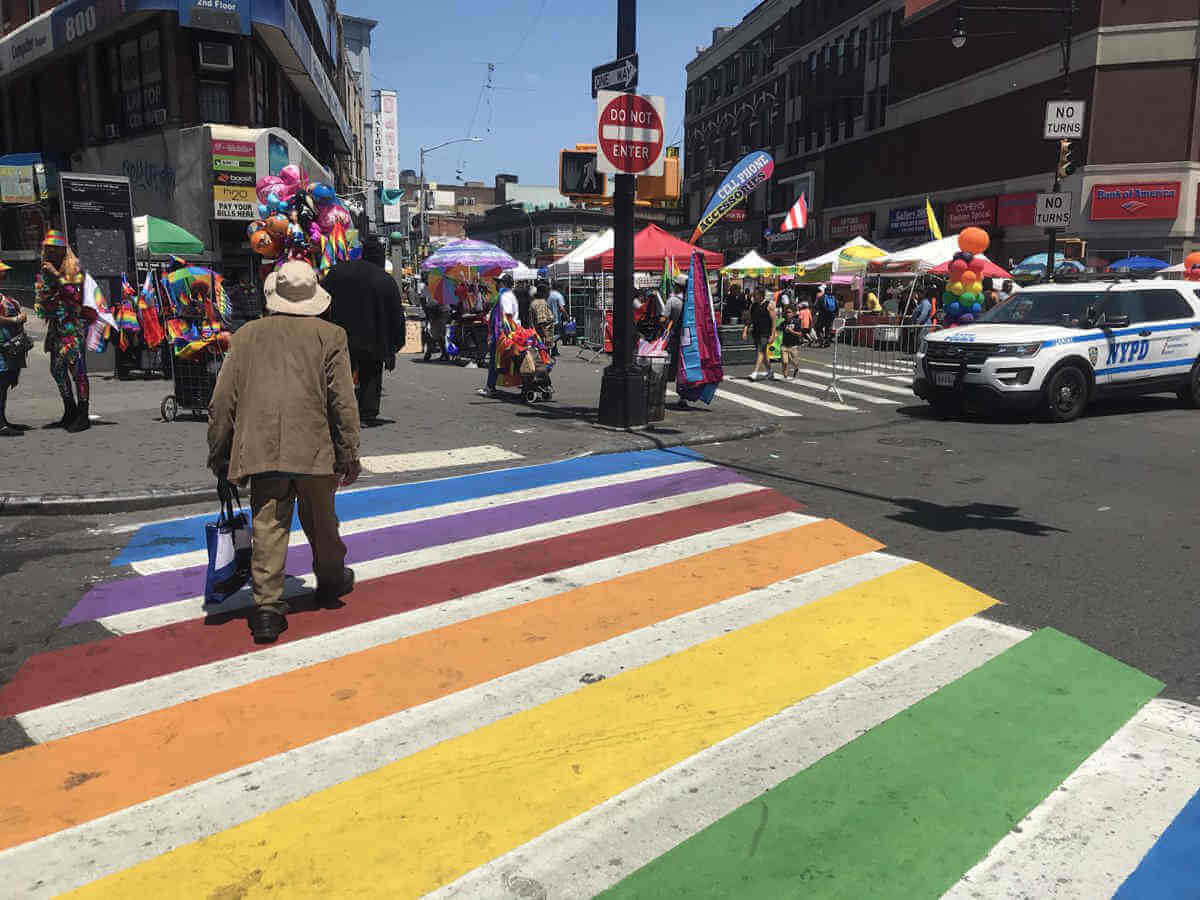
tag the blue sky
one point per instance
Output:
(435, 55)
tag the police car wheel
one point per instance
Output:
(1066, 394)
(1189, 394)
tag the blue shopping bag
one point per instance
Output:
(228, 542)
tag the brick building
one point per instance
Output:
(150, 88)
(868, 108)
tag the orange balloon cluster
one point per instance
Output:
(973, 240)
(1191, 266)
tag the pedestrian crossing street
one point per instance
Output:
(808, 392)
(628, 675)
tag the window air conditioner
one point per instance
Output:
(216, 56)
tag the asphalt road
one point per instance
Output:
(1089, 527)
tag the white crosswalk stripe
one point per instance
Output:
(795, 395)
(756, 405)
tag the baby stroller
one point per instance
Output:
(536, 385)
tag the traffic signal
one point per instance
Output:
(1066, 165)
(663, 187)
(577, 175)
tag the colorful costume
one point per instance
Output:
(59, 300)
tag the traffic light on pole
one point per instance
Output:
(1066, 165)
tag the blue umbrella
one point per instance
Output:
(1138, 264)
(1037, 261)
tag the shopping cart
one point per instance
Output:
(195, 379)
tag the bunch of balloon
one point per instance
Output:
(299, 219)
(963, 298)
(1191, 266)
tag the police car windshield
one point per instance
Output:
(1067, 308)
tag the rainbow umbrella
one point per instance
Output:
(479, 256)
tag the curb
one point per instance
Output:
(85, 504)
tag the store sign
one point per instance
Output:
(908, 220)
(390, 172)
(842, 228)
(962, 214)
(377, 139)
(912, 7)
(31, 41)
(1015, 209)
(229, 16)
(1123, 202)
(736, 215)
(237, 203)
(16, 184)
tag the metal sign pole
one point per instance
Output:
(622, 387)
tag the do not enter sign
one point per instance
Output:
(629, 130)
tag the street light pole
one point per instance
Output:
(623, 386)
(424, 150)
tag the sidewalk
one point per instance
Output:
(132, 459)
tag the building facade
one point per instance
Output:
(869, 109)
(356, 47)
(192, 103)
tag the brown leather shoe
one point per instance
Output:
(266, 625)
(329, 597)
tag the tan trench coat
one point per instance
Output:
(284, 401)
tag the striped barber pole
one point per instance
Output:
(797, 217)
(619, 675)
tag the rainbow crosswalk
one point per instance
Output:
(633, 675)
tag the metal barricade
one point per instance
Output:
(864, 352)
(591, 335)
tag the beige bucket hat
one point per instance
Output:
(293, 289)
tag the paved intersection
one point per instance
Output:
(635, 673)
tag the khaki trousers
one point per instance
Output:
(272, 500)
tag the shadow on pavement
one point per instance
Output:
(925, 514)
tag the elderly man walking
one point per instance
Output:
(284, 418)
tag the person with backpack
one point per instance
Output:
(826, 304)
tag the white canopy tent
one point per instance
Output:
(572, 263)
(915, 260)
(749, 263)
(523, 273)
(833, 257)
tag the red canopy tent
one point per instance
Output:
(990, 269)
(650, 246)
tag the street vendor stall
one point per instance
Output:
(156, 239)
(460, 277)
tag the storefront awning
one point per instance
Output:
(158, 237)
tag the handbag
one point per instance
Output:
(16, 348)
(228, 542)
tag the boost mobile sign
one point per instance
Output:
(751, 171)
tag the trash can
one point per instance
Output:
(655, 371)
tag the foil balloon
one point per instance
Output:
(290, 175)
(265, 244)
(273, 201)
(278, 225)
(263, 210)
(333, 215)
(265, 186)
(322, 194)
(973, 240)
(256, 225)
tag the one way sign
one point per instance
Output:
(618, 75)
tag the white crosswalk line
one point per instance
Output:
(903, 379)
(794, 395)
(437, 459)
(863, 382)
(49, 723)
(1084, 839)
(193, 607)
(882, 401)
(747, 402)
(585, 855)
(136, 833)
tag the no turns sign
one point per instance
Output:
(630, 132)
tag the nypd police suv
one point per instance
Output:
(1054, 347)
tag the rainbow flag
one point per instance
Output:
(147, 310)
(126, 317)
(635, 686)
(104, 323)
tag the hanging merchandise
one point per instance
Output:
(125, 316)
(147, 311)
(700, 369)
